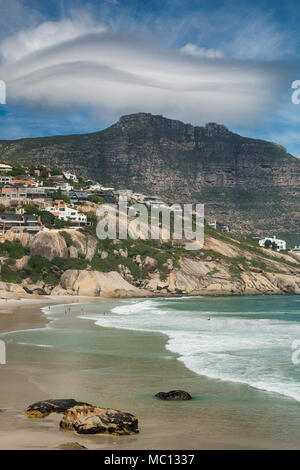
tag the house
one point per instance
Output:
(19, 222)
(76, 197)
(4, 179)
(70, 176)
(13, 193)
(296, 249)
(217, 226)
(65, 186)
(281, 244)
(58, 179)
(95, 187)
(25, 182)
(64, 212)
(5, 168)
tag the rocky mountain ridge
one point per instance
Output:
(250, 184)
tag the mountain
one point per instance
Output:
(250, 184)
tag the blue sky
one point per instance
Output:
(73, 66)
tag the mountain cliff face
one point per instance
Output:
(250, 184)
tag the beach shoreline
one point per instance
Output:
(100, 380)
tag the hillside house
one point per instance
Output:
(281, 244)
(5, 179)
(70, 176)
(64, 212)
(30, 223)
(5, 168)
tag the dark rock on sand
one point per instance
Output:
(44, 408)
(93, 420)
(71, 446)
(175, 395)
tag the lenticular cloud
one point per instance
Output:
(75, 63)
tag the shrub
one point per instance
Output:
(8, 275)
(105, 265)
(73, 263)
(38, 267)
(96, 199)
(67, 237)
(14, 249)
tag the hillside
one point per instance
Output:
(252, 185)
(74, 263)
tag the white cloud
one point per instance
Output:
(46, 35)
(70, 64)
(192, 49)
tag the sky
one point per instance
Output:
(76, 66)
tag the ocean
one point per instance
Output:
(246, 339)
(232, 354)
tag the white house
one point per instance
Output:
(281, 244)
(5, 168)
(70, 176)
(64, 186)
(5, 179)
(95, 187)
(67, 213)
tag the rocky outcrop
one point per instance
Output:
(219, 246)
(41, 409)
(86, 246)
(150, 264)
(94, 420)
(174, 395)
(285, 283)
(197, 277)
(95, 283)
(23, 237)
(48, 244)
(11, 291)
(21, 263)
(91, 248)
(78, 241)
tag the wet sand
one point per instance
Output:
(221, 416)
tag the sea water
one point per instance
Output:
(243, 339)
(233, 354)
(247, 340)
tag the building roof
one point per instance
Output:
(11, 190)
(19, 217)
(24, 182)
(5, 167)
(77, 194)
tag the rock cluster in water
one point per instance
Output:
(41, 409)
(95, 420)
(174, 395)
(85, 418)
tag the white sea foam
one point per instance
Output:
(37, 345)
(234, 347)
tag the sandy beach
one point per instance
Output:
(221, 416)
